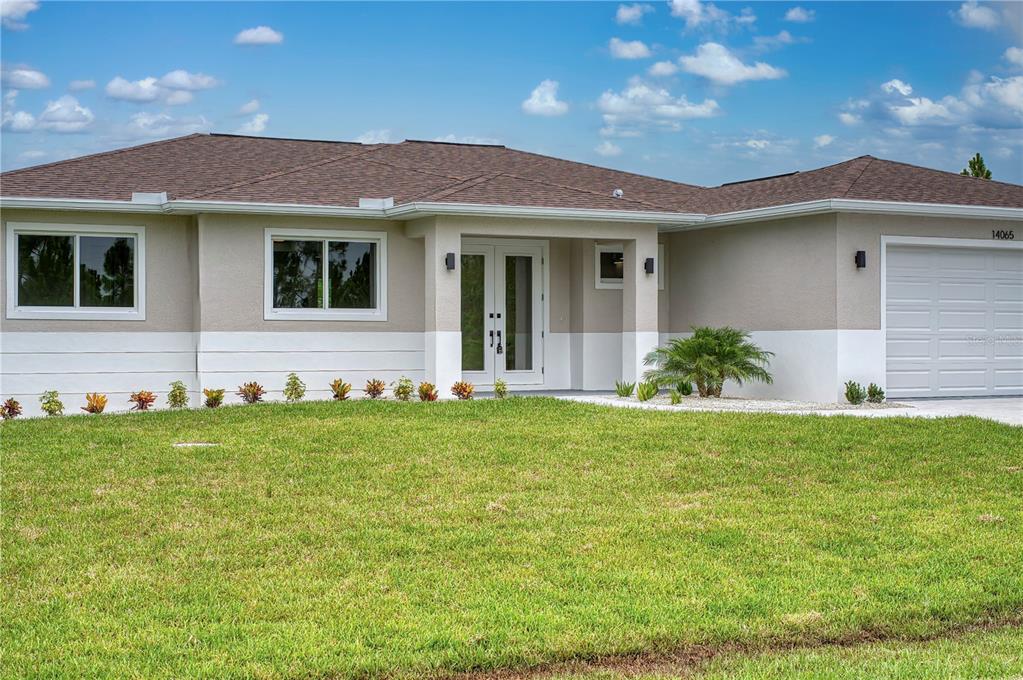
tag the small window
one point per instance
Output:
(325, 275)
(609, 266)
(74, 271)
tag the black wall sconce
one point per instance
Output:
(449, 261)
(861, 259)
(648, 265)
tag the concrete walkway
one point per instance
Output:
(1008, 410)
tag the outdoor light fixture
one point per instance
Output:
(648, 266)
(861, 259)
(449, 261)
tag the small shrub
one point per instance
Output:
(684, 388)
(624, 389)
(214, 398)
(854, 392)
(427, 392)
(676, 397)
(251, 392)
(463, 390)
(142, 399)
(375, 388)
(340, 389)
(711, 357)
(646, 391)
(294, 388)
(178, 395)
(875, 395)
(51, 404)
(403, 389)
(10, 409)
(95, 402)
(500, 389)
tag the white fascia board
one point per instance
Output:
(421, 209)
(86, 204)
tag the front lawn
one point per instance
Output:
(341, 539)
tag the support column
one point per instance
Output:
(639, 303)
(443, 306)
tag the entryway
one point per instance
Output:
(502, 311)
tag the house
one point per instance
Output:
(218, 259)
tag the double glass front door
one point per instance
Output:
(502, 312)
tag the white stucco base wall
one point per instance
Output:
(813, 365)
(443, 360)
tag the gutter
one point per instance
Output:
(667, 221)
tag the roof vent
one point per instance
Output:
(149, 197)
(377, 203)
(617, 193)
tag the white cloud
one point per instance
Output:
(260, 35)
(12, 12)
(821, 141)
(628, 49)
(375, 137)
(746, 17)
(800, 15)
(24, 78)
(632, 14)
(174, 88)
(1014, 55)
(144, 90)
(32, 155)
(466, 139)
(641, 104)
(696, 13)
(769, 42)
(248, 107)
(145, 125)
(77, 85)
(714, 62)
(663, 68)
(897, 85)
(181, 79)
(757, 144)
(608, 149)
(543, 101)
(254, 125)
(974, 15)
(850, 118)
(65, 115)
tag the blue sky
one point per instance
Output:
(694, 91)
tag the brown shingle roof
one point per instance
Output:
(219, 167)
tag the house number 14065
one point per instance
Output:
(1002, 234)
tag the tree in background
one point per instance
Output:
(976, 168)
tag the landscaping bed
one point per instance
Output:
(697, 403)
(370, 538)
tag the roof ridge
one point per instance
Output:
(280, 173)
(469, 183)
(950, 173)
(111, 152)
(601, 167)
(870, 161)
(580, 190)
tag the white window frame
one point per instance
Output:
(604, 284)
(598, 250)
(270, 313)
(16, 311)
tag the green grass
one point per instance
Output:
(364, 538)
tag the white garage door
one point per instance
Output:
(954, 319)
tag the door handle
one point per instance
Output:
(500, 349)
(491, 338)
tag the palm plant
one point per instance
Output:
(707, 359)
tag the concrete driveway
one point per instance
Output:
(1007, 410)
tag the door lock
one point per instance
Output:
(500, 348)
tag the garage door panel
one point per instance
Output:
(954, 321)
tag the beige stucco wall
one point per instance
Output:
(170, 271)
(232, 257)
(777, 275)
(859, 291)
